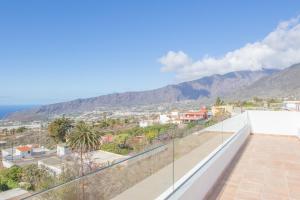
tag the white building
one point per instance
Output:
(291, 105)
(62, 150)
(54, 165)
(57, 165)
(164, 119)
(23, 151)
(16, 154)
(146, 123)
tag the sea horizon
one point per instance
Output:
(5, 110)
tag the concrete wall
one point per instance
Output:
(7, 164)
(274, 122)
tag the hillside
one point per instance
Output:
(207, 87)
(285, 83)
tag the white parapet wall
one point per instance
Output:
(274, 122)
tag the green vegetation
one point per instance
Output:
(121, 139)
(124, 140)
(248, 104)
(219, 102)
(9, 178)
(21, 129)
(30, 177)
(59, 128)
(151, 135)
(210, 122)
(115, 148)
(191, 125)
(35, 178)
(257, 99)
(111, 123)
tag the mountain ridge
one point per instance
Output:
(285, 83)
(204, 88)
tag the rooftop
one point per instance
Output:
(53, 161)
(266, 168)
(101, 157)
(24, 148)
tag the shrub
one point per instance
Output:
(115, 148)
(3, 187)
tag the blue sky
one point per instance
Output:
(52, 51)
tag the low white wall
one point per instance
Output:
(7, 164)
(274, 122)
(199, 181)
(232, 124)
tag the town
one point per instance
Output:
(51, 149)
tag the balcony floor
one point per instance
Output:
(267, 168)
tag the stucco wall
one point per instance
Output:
(274, 122)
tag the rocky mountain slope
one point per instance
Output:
(205, 88)
(285, 83)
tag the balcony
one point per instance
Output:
(267, 167)
(254, 155)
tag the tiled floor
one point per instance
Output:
(267, 168)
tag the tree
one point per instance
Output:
(83, 139)
(12, 131)
(10, 177)
(21, 129)
(5, 131)
(59, 128)
(121, 139)
(257, 100)
(36, 178)
(3, 187)
(219, 102)
(151, 135)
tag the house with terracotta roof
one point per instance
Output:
(21, 154)
(193, 116)
(23, 151)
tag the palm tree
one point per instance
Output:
(83, 139)
(59, 129)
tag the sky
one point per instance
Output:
(59, 50)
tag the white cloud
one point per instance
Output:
(174, 61)
(279, 49)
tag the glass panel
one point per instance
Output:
(150, 169)
(139, 177)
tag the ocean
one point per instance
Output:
(5, 110)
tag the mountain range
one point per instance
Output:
(234, 85)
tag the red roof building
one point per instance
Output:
(24, 148)
(194, 116)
